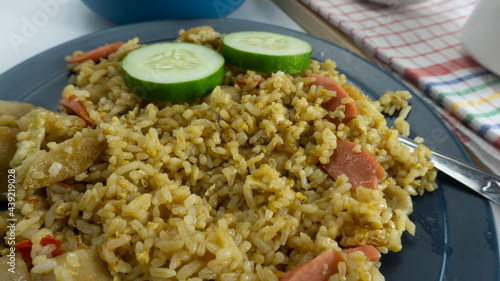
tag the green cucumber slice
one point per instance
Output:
(266, 51)
(173, 71)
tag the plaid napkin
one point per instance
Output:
(422, 44)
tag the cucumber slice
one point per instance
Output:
(173, 71)
(266, 51)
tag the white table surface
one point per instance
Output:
(29, 27)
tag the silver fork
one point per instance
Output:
(484, 183)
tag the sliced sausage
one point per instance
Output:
(332, 104)
(361, 167)
(77, 107)
(326, 264)
(370, 252)
(318, 269)
(97, 53)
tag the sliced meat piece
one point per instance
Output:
(328, 83)
(97, 53)
(15, 108)
(74, 106)
(326, 264)
(72, 157)
(360, 167)
(318, 269)
(370, 252)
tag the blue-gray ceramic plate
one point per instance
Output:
(455, 232)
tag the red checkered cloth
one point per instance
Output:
(422, 45)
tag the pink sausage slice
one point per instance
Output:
(318, 269)
(326, 264)
(362, 168)
(329, 84)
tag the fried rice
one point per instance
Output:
(226, 187)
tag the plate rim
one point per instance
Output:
(99, 34)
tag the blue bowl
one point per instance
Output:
(131, 11)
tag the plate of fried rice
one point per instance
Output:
(231, 186)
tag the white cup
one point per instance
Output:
(481, 34)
